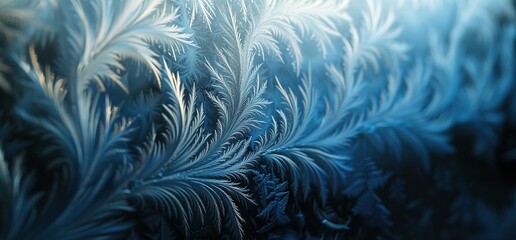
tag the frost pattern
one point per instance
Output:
(290, 119)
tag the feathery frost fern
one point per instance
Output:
(291, 119)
